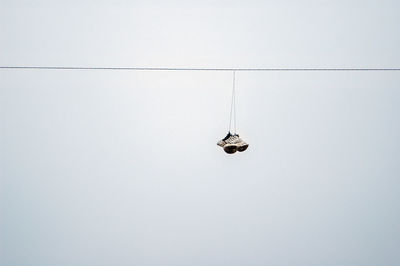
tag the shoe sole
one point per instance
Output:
(230, 148)
(242, 148)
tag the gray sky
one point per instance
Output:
(122, 168)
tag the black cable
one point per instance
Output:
(194, 69)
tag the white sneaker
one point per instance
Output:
(229, 143)
(232, 143)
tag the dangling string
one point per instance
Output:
(233, 107)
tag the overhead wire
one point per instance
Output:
(191, 68)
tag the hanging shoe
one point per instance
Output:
(232, 143)
(229, 143)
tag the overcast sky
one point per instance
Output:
(122, 167)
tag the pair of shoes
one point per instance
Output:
(232, 143)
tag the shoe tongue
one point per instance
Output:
(227, 136)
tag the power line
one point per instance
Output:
(192, 69)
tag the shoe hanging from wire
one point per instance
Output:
(232, 141)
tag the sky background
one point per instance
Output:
(122, 167)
